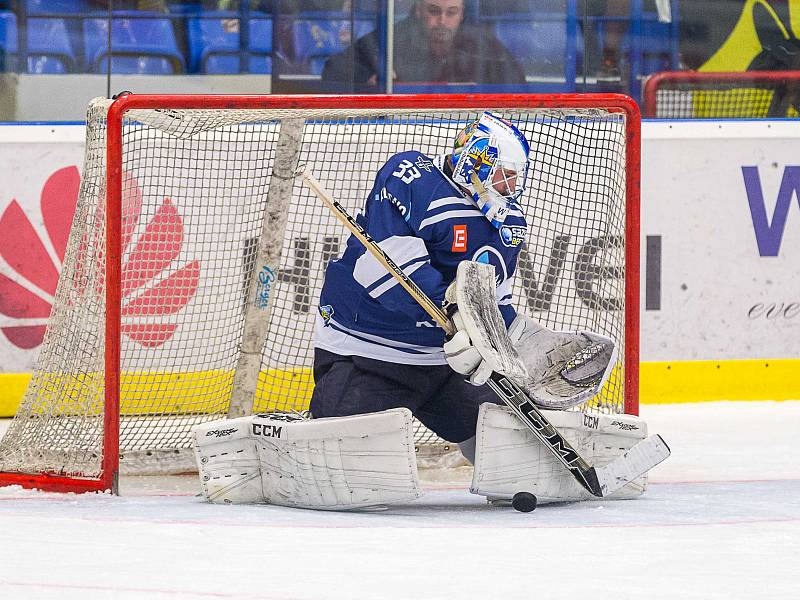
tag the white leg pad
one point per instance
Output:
(509, 459)
(228, 462)
(330, 464)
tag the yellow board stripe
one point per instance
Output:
(659, 382)
(712, 380)
(12, 388)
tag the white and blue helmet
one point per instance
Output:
(496, 153)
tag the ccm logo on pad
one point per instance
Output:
(459, 238)
(267, 430)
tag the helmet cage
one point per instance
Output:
(485, 148)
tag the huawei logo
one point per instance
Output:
(155, 284)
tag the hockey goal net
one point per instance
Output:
(195, 260)
(747, 95)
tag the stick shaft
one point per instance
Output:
(436, 313)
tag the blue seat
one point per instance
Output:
(655, 46)
(74, 12)
(543, 47)
(185, 8)
(650, 45)
(40, 7)
(316, 39)
(214, 45)
(140, 43)
(49, 50)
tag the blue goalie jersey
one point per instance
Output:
(421, 219)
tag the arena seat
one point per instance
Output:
(185, 8)
(543, 46)
(140, 43)
(653, 44)
(43, 7)
(318, 37)
(48, 47)
(214, 45)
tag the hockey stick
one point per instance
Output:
(598, 481)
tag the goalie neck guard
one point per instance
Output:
(490, 160)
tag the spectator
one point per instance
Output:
(433, 44)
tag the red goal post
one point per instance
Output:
(132, 357)
(722, 95)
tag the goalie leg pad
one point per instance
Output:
(334, 463)
(227, 461)
(509, 459)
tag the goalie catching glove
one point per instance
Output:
(557, 369)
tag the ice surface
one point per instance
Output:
(721, 519)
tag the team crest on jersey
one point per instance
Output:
(490, 256)
(513, 236)
(326, 312)
(424, 164)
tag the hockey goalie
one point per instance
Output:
(453, 225)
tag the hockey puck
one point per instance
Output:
(524, 502)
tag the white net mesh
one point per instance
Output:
(195, 186)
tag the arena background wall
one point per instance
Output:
(720, 238)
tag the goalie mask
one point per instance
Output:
(490, 160)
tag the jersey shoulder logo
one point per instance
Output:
(424, 164)
(459, 238)
(513, 236)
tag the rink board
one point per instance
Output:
(720, 242)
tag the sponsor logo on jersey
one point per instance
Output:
(490, 256)
(326, 312)
(405, 211)
(513, 236)
(424, 164)
(267, 430)
(459, 238)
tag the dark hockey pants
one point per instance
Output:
(435, 394)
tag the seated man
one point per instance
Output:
(433, 44)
